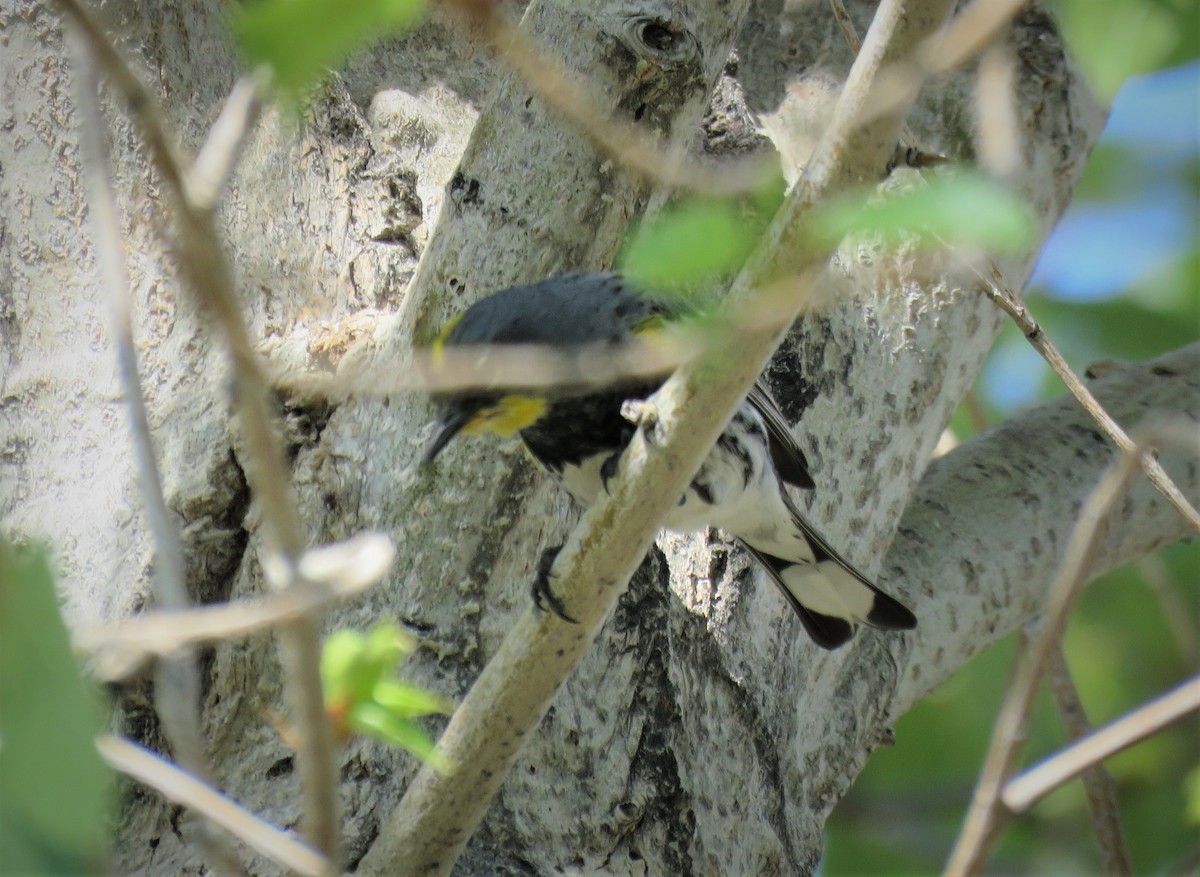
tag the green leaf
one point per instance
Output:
(374, 721)
(55, 792)
(301, 39)
(363, 697)
(964, 210)
(344, 675)
(694, 242)
(409, 701)
(1116, 39)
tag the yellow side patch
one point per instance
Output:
(650, 325)
(438, 351)
(512, 413)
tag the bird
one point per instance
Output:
(578, 433)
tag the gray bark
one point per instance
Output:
(703, 734)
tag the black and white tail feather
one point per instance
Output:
(828, 593)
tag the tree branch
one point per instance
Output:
(202, 262)
(177, 678)
(182, 788)
(1033, 472)
(982, 823)
(1098, 783)
(1040, 341)
(1024, 791)
(440, 810)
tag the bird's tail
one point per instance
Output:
(829, 594)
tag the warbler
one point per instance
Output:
(578, 434)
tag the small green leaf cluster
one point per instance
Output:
(698, 241)
(363, 696)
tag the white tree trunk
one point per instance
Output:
(703, 733)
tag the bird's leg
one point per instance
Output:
(608, 469)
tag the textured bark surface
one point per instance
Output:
(703, 733)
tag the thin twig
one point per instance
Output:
(962, 39)
(202, 263)
(999, 295)
(968, 34)
(1175, 609)
(1097, 781)
(331, 573)
(210, 172)
(981, 824)
(846, 23)
(142, 105)
(177, 680)
(998, 136)
(183, 788)
(1026, 790)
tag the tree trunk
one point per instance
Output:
(703, 733)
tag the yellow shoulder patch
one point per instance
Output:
(437, 353)
(512, 413)
(650, 325)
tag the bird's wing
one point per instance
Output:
(785, 453)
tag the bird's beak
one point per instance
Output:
(447, 428)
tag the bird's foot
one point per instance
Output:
(543, 595)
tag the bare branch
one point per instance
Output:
(999, 131)
(964, 38)
(182, 788)
(968, 34)
(142, 105)
(1097, 782)
(326, 574)
(1174, 607)
(177, 680)
(846, 23)
(981, 824)
(1026, 790)
(202, 262)
(210, 172)
(1015, 308)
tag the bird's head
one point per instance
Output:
(566, 312)
(477, 413)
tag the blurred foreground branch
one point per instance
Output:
(203, 264)
(982, 823)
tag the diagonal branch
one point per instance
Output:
(440, 810)
(177, 679)
(1026, 790)
(981, 824)
(1034, 334)
(207, 272)
(182, 788)
(1098, 783)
